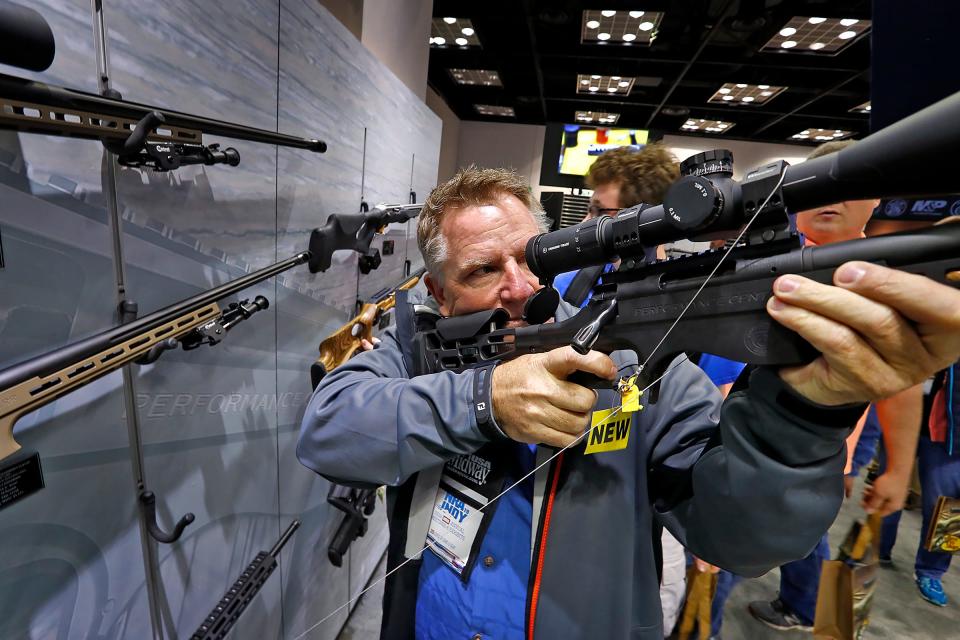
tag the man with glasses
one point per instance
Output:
(620, 178)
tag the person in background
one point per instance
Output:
(938, 458)
(899, 418)
(620, 178)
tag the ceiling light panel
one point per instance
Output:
(700, 125)
(861, 108)
(827, 36)
(604, 85)
(733, 93)
(821, 135)
(453, 32)
(626, 28)
(493, 110)
(478, 77)
(596, 117)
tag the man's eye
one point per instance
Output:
(482, 271)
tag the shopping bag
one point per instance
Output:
(847, 584)
(701, 588)
(943, 534)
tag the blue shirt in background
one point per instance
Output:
(562, 282)
(720, 370)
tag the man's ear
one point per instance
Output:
(436, 290)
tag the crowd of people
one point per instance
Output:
(503, 526)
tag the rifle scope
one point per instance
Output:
(914, 157)
(26, 40)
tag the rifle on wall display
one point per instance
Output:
(227, 611)
(141, 135)
(362, 227)
(342, 344)
(29, 385)
(707, 302)
(356, 504)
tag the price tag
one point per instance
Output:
(629, 395)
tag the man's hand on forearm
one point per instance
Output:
(534, 403)
(887, 494)
(878, 330)
(900, 417)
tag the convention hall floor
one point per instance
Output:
(898, 610)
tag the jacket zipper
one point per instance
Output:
(534, 589)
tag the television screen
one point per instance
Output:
(581, 146)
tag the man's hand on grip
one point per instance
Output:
(534, 403)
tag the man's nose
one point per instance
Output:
(516, 285)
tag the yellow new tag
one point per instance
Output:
(609, 431)
(629, 395)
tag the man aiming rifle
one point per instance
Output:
(523, 541)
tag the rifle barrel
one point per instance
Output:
(87, 104)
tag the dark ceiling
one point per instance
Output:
(535, 47)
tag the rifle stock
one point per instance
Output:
(634, 308)
(344, 343)
(41, 389)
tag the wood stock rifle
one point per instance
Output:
(356, 504)
(344, 343)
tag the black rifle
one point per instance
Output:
(636, 307)
(31, 384)
(140, 135)
(217, 625)
(357, 505)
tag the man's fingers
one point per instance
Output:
(573, 397)
(918, 298)
(872, 501)
(564, 361)
(837, 377)
(888, 333)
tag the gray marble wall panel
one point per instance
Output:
(69, 555)
(214, 58)
(218, 425)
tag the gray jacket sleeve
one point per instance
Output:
(368, 423)
(756, 492)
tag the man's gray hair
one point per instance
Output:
(469, 187)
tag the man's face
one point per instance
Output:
(486, 265)
(605, 200)
(836, 222)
